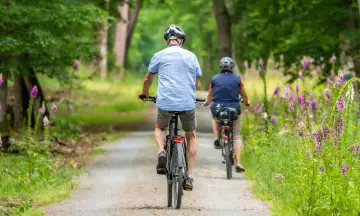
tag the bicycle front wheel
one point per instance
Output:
(228, 161)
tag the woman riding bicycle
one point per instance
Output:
(224, 89)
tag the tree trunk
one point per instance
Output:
(22, 91)
(102, 39)
(223, 26)
(18, 100)
(133, 17)
(120, 35)
(4, 129)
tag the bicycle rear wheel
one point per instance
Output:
(228, 161)
(178, 188)
(178, 178)
(169, 173)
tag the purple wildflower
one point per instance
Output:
(276, 91)
(291, 103)
(273, 120)
(297, 88)
(355, 149)
(54, 108)
(76, 64)
(304, 63)
(341, 104)
(286, 127)
(286, 92)
(1, 142)
(340, 79)
(358, 114)
(46, 121)
(246, 112)
(317, 141)
(332, 59)
(335, 140)
(34, 91)
(321, 169)
(261, 63)
(323, 133)
(313, 104)
(327, 94)
(87, 103)
(340, 125)
(301, 76)
(1, 80)
(344, 169)
(0, 108)
(42, 109)
(70, 110)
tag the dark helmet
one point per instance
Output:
(227, 63)
(174, 32)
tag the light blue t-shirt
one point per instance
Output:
(177, 70)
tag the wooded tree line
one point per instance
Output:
(47, 36)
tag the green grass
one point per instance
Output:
(16, 186)
(100, 119)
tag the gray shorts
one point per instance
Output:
(188, 120)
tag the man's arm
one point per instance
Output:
(198, 84)
(149, 77)
(243, 95)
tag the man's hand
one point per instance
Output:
(144, 95)
(247, 103)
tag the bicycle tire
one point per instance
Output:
(178, 179)
(228, 161)
(169, 192)
(169, 173)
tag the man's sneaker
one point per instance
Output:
(188, 184)
(240, 168)
(217, 144)
(161, 166)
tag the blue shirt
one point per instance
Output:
(226, 89)
(177, 70)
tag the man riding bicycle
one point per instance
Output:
(224, 89)
(179, 72)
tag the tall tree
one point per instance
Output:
(132, 20)
(102, 42)
(223, 21)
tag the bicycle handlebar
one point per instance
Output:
(153, 99)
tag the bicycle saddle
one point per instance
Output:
(177, 112)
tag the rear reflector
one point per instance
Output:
(178, 139)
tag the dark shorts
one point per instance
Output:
(188, 120)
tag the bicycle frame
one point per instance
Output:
(172, 139)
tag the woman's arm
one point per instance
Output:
(209, 97)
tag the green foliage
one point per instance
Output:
(311, 165)
(36, 35)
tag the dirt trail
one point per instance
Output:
(123, 181)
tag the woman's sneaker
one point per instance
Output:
(217, 144)
(240, 168)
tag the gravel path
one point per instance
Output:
(123, 181)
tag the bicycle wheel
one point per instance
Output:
(178, 188)
(169, 174)
(169, 192)
(178, 179)
(228, 161)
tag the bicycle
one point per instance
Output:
(176, 159)
(225, 117)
